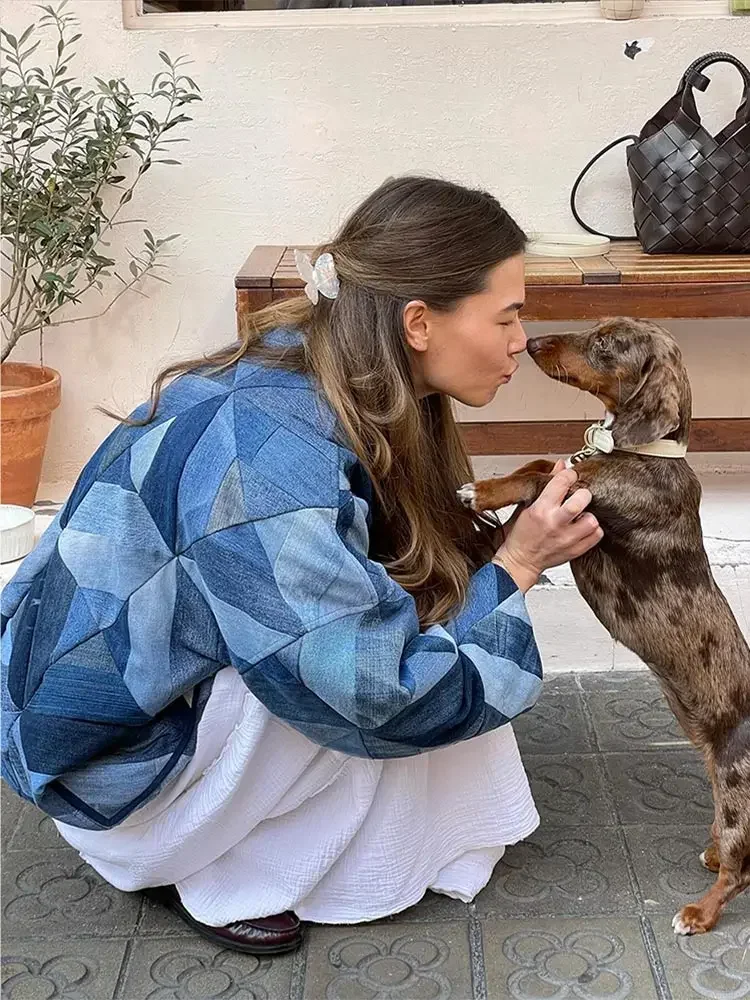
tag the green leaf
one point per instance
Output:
(176, 163)
(165, 58)
(126, 197)
(133, 268)
(26, 34)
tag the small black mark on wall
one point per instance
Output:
(632, 49)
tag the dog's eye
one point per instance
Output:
(601, 344)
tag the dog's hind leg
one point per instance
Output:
(733, 845)
(710, 857)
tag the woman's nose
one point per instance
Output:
(519, 341)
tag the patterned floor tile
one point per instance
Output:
(389, 962)
(35, 830)
(555, 725)
(561, 684)
(561, 871)
(599, 959)
(432, 907)
(11, 808)
(56, 894)
(42, 970)
(714, 966)
(618, 680)
(667, 866)
(569, 791)
(660, 788)
(635, 719)
(175, 969)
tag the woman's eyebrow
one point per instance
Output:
(513, 307)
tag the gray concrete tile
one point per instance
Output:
(660, 788)
(159, 921)
(555, 725)
(667, 866)
(618, 680)
(432, 908)
(714, 966)
(561, 871)
(56, 894)
(570, 790)
(635, 719)
(575, 959)
(35, 831)
(11, 808)
(561, 684)
(389, 962)
(176, 969)
(69, 970)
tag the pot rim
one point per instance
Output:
(52, 383)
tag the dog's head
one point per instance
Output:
(635, 368)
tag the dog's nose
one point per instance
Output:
(534, 345)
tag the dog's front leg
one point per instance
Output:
(521, 487)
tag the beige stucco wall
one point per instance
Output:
(298, 124)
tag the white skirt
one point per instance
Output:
(262, 820)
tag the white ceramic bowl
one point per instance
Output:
(16, 532)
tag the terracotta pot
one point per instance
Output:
(28, 397)
(622, 10)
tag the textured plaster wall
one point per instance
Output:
(298, 125)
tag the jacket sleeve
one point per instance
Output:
(332, 645)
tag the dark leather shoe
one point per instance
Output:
(264, 936)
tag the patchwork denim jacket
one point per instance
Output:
(233, 530)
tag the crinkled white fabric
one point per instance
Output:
(262, 821)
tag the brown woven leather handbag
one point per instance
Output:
(691, 190)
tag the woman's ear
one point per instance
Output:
(415, 317)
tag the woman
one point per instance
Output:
(232, 663)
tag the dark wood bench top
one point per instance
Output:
(626, 280)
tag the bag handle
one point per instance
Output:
(694, 77)
(579, 179)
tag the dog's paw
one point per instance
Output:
(690, 920)
(710, 860)
(468, 495)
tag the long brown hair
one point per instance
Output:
(413, 238)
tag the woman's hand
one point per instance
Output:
(551, 531)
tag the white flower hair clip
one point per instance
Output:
(320, 278)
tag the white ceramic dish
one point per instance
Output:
(567, 245)
(16, 532)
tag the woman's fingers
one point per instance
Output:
(586, 542)
(557, 488)
(577, 503)
(558, 467)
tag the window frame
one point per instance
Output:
(570, 11)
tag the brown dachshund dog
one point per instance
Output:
(649, 581)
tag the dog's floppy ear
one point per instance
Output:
(653, 409)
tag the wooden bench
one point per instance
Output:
(625, 282)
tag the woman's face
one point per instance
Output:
(469, 352)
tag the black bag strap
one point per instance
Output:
(579, 179)
(695, 77)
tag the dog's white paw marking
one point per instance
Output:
(702, 859)
(680, 926)
(468, 495)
